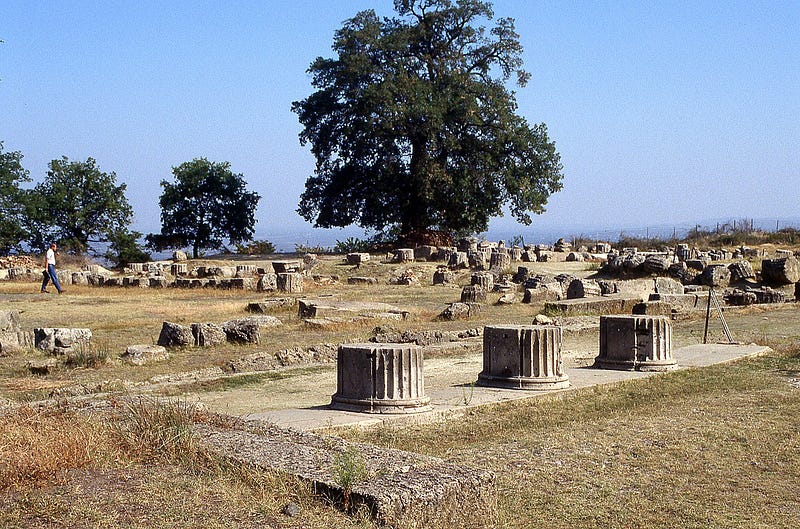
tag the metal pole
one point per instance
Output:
(708, 315)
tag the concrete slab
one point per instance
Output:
(450, 384)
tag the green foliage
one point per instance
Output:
(413, 128)
(206, 204)
(77, 204)
(12, 200)
(125, 248)
(349, 469)
(352, 244)
(308, 248)
(255, 248)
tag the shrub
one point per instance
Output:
(352, 244)
(255, 248)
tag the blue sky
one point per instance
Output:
(664, 112)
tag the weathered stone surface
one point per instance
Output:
(246, 270)
(179, 256)
(751, 296)
(268, 305)
(426, 253)
(716, 275)
(443, 276)
(41, 367)
(653, 308)
(287, 267)
(62, 340)
(158, 282)
(328, 308)
(143, 354)
(248, 330)
(290, 282)
(403, 255)
(483, 279)
(208, 334)
(523, 357)
(267, 283)
(360, 280)
(499, 260)
(380, 378)
(591, 306)
(267, 360)
(575, 257)
(460, 311)
(356, 258)
(175, 335)
(239, 283)
(741, 270)
(473, 294)
(9, 320)
(424, 338)
(782, 271)
(655, 264)
(684, 302)
(399, 485)
(665, 285)
(583, 288)
(79, 278)
(458, 260)
(641, 343)
(508, 298)
(797, 291)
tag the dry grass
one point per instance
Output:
(715, 447)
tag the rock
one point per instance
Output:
(443, 276)
(248, 330)
(267, 283)
(575, 257)
(665, 285)
(741, 270)
(583, 288)
(175, 335)
(356, 258)
(473, 294)
(460, 311)
(780, 271)
(287, 267)
(541, 319)
(507, 299)
(716, 275)
(9, 320)
(426, 253)
(61, 340)
(499, 261)
(653, 308)
(179, 256)
(291, 509)
(208, 334)
(655, 264)
(458, 260)
(268, 305)
(403, 255)
(290, 282)
(142, 354)
(483, 279)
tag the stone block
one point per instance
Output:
(359, 280)
(158, 282)
(267, 282)
(246, 270)
(208, 334)
(741, 270)
(473, 294)
(139, 355)
(653, 308)
(290, 282)
(458, 260)
(575, 257)
(540, 294)
(499, 260)
(443, 276)
(248, 330)
(716, 276)
(62, 340)
(380, 378)
(683, 302)
(583, 288)
(79, 278)
(782, 271)
(635, 343)
(523, 357)
(287, 267)
(460, 311)
(403, 255)
(484, 280)
(9, 320)
(426, 253)
(175, 335)
(591, 306)
(655, 264)
(665, 285)
(269, 305)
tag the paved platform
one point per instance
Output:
(450, 386)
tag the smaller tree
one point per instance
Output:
(77, 204)
(206, 204)
(12, 200)
(124, 248)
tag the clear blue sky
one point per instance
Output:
(664, 112)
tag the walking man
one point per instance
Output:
(50, 269)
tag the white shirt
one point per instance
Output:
(51, 257)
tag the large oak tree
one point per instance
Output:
(12, 200)
(413, 128)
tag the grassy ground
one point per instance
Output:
(713, 447)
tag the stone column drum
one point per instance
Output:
(523, 357)
(635, 343)
(380, 378)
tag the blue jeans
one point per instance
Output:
(51, 276)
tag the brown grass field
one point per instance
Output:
(714, 447)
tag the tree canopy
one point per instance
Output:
(77, 204)
(413, 128)
(206, 204)
(12, 200)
